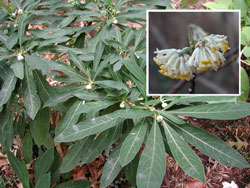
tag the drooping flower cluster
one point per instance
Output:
(172, 64)
(208, 52)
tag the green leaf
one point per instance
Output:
(131, 170)
(135, 70)
(54, 40)
(211, 146)
(6, 7)
(246, 31)
(71, 117)
(89, 127)
(17, 68)
(246, 52)
(3, 37)
(244, 86)
(132, 143)
(44, 181)
(75, 184)
(27, 147)
(127, 36)
(95, 106)
(172, 117)
(89, 95)
(43, 163)
(57, 33)
(12, 40)
(75, 59)
(21, 28)
(242, 5)
(112, 84)
(97, 146)
(45, 91)
(63, 96)
(243, 38)
(40, 127)
(31, 100)
(112, 167)
(98, 55)
(73, 156)
(66, 21)
(219, 111)
(184, 155)
(7, 87)
(133, 113)
(152, 164)
(16, 3)
(19, 168)
(220, 4)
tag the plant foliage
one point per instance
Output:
(96, 57)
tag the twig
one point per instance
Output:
(191, 89)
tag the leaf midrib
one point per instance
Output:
(228, 156)
(180, 149)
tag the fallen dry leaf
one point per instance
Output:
(195, 184)
(239, 143)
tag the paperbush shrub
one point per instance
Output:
(98, 59)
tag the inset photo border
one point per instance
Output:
(193, 53)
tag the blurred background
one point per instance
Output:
(169, 30)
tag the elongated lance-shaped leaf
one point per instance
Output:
(152, 164)
(96, 148)
(112, 84)
(45, 90)
(95, 106)
(12, 40)
(219, 111)
(135, 70)
(89, 127)
(139, 37)
(63, 96)
(21, 28)
(127, 36)
(132, 143)
(19, 168)
(98, 55)
(73, 156)
(172, 117)
(131, 170)
(71, 116)
(44, 181)
(183, 154)
(31, 100)
(210, 145)
(112, 167)
(40, 126)
(7, 87)
(16, 3)
(18, 69)
(42, 165)
(75, 59)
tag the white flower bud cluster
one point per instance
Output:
(208, 53)
(172, 64)
(20, 57)
(20, 11)
(159, 118)
(115, 21)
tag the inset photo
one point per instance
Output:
(193, 52)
